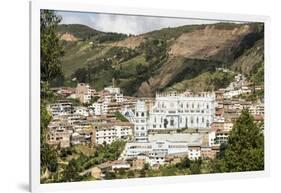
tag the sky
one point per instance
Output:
(127, 24)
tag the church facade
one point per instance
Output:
(175, 111)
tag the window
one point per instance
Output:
(137, 114)
(142, 114)
(208, 124)
(172, 122)
(165, 123)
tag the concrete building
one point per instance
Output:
(60, 108)
(120, 164)
(80, 110)
(208, 153)
(159, 146)
(257, 109)
(156, 151)
(83, 92)
(138, 163)
(194, 152)
(109, 102)
(172, 110)
(112, 89)
(221, 137)
(59, 134)
(109, 132)
(222, 125)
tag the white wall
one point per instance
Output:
(14, 58)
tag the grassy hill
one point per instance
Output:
(178, 58)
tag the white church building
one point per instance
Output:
(175, 111)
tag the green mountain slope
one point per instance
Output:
(177, 58)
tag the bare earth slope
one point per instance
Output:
(206, 45)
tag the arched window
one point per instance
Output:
(142, 114)
(137, 114)
(208, 123)
(203, 120)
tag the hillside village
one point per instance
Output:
(157, 130)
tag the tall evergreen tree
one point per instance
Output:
(245, 149)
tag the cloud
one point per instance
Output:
(128, 24)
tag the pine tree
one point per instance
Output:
(245, 149)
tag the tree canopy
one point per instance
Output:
(50, 48)
(245, 148)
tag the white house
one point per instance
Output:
(80, 110)
(60, 108)
(107, 133)
(194, 152)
